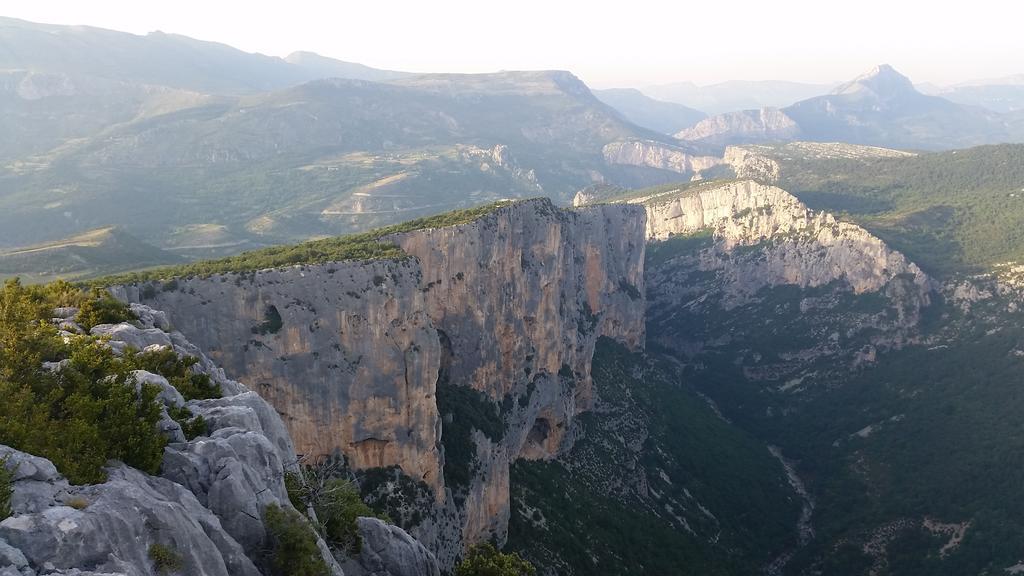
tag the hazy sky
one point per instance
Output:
(626, 42)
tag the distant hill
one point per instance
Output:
(997, 94)
(736, 94)
(161, 59)
(880, 108)
(93, 253)
(664, 117)
(318, 66)
(321, 158)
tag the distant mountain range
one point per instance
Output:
(736, 94)
(169, 137)
(642, 110)
(199, 149)
(162, 59)
(880, 108)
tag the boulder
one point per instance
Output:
(110, 527)
(390, 551)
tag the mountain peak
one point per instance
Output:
(882, 80)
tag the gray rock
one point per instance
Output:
(37, 484)
(390, 551)
(65, 313)
(120, 520)
(11, 556)
(249, 411)
(128, 335)
(150, 318)
(236, 474)
(168, 396)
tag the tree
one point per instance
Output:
(486, 560)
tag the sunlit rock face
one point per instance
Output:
(350, 353)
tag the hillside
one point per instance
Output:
(97, 252)
(318, 159)
(161, 59)
(664, 117)
(952, 212)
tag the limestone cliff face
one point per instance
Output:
(760, 161)
(657, 155)
(351, 365)
(350, 353)
(809, 248)
(764, 125)
(739, 250)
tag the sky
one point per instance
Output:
(623, 43)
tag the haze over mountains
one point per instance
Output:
(881, 108)
(201, 149)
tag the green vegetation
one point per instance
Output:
(337, 503)
(464, 410)
(660, 252)
(395, 496)
(486, 560)
(102, 308)
(79, 415)
(6, 488)
(191, 426)
(950, 212)
(363, 246)
(584, 514)
(658, 193)
(165, 559)
(178, 372)
(292, 544)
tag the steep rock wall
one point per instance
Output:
(657, 155)
(810, 249)
(350, 353)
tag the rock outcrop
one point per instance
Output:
(207, 507)
(760, 162)
(723, 249)
(764, 125)
(350, 353)
(649, 154)
(810, 249)
(390, 551)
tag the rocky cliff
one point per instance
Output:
(761, 161)
(206, 507)
(355, 354)
(657, 155)
(816, 249)
(720, 248)
(764, 125)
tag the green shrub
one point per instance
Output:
(103, 308)
(192, 426)
(165, 559)
(362, 246)
(292, 549)
(337, 504)
(178, 372)
(81, 415)
(6, 479)
(337, 511)
(486, 560)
